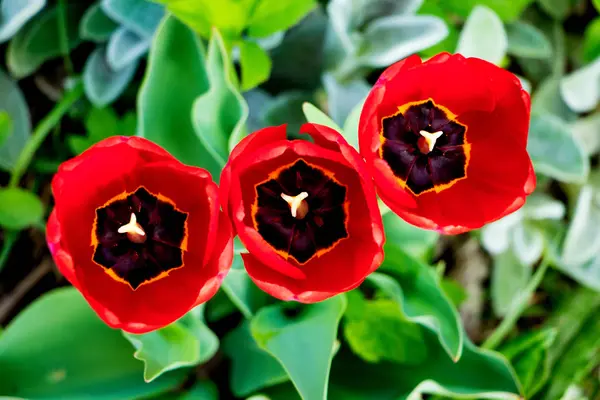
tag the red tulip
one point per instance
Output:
(138, 233)
(445, 141)
(306, 212)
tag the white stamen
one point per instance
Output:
(294, 201)
(431, 138)
(132, 227)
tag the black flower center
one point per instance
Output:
(301, 210)
(139, 237)
(425, 147)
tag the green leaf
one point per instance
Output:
(478, 374)
(304, 344)
(377, 330)
(39, 40)
(580, 89)
(286, 108)
(548, 133)
(390, 39)
(102, 123)
(125, 47)
(558, 9)
(415, 241)
(423, 300)
(582, 241)
(95, 25)
(270, 16)
(509, 279)
(230, 17)
(547, 99)
(19, 208)
(58, 348)
(184, 343)
(140, 16)
(591, 41)
(256, 64)
(585, 131)
(454, 291)
(507, 10)
(316, 116)
(483, 36)
(15, 14)
(528, 354)
(6, 126)
(202, 390)
(176, 62)
(219, 114)
(78, 144)
(102, 84)
(240, 289)
(252, 368)
(525, 40)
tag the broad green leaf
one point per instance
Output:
(6, 126)
(304, 344)
(377, 330)
(423, 300)
(230, 17)
(58, 348)
(351, 125)
(508, 11)
(219, 114)
(547, 99)
(415, 241)
(478, 374)
(252, 367)
(559, 9)
(525, 40)
(548, 133)
(344, 97)
(393, 38)
(102, 84)
(578, 362)
(19, 208)
(316, 116)
(140, 16)
(580, 89)
(255, 63)
(184, 343)
(240, 289)
(39, 40)
(124, 48)
(175, 77)
(16, 13)
(528, 353)
(95, 25)
(270, 16)
(582, 242)
(591, 41)
(483, 36)
(509, 278)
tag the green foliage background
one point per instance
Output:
(510, 311)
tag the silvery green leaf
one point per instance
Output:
(391, 39)
(554, 151)
(95, 25)
(541, 206)
(580, 88)
(15, 13)
(125, 47)
(585, 130)
(525, 83)
(495, 237)
(351, 125)
(525, 40)
(140, 16)
(483, 36)
(343, 97)
(102, 84)
(582, 241)
(13, 103)
(527, 244)
(509, 278)
(546, 99)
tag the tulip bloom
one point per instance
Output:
(445, 141)
(306, 212)
(139, 234)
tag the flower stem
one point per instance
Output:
(10, 238)
(42, 130)
(64, 35)
(508, 323)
